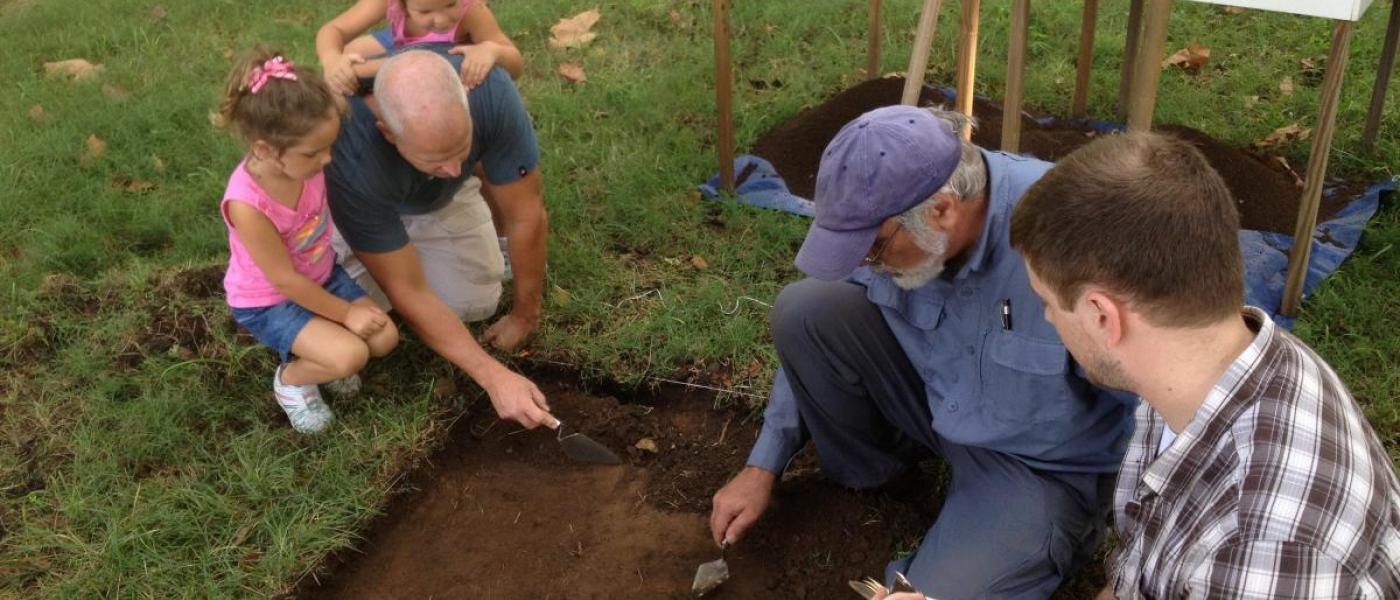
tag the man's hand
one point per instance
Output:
(509, 332)
(477, 60)
(739, 504)
(365, 321)
(517, 399)
(340, 73)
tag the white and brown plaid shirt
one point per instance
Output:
(1277, 488)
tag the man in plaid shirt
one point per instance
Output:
(1252, 472)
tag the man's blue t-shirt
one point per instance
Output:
(369, 184)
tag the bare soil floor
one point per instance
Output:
(501, 513)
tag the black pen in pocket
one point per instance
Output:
(1006, 314)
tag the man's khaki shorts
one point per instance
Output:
(458, 250)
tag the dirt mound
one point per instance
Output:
(502, 514)
(1265, 191)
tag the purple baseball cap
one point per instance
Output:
(881, 164)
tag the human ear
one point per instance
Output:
(1105, 317)
(388, 134)
(262, 150)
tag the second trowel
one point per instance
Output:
(582, 448)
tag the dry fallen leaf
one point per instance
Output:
(444, 386)
(699, 262)
(647, 445)
(37, 114)
(115, 92)
(96, 148)
(1251, 101)
(140, 185)
(560, 296)
(573, 72)
(1233, 10)
(575, 31)
(134, 185)
(1283, 136)
(1192, 57)
(159, 12)
(1286, 86)
(76, 69)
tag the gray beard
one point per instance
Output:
(935, 243)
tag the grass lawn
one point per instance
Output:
(140, 452)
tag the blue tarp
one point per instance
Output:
(1265, 253)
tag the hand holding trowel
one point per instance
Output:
(580, 447)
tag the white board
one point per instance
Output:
(1346, 10)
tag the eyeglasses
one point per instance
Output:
(873, 259)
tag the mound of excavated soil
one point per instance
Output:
(1266, 193)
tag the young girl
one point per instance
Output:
(467, 22)
(283, 282)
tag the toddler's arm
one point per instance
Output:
(489, 46)
(337, 66)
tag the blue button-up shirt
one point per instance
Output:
(1014, 390)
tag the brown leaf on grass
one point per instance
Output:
(38, 114)
(575, 31)
(301, 18)
(1286, 86)
(1251, 101)
(96, 149)
(573, 72)
(159, 12)
(75, 69)
(1283, 136)
(115, 92)
(444, 386)
(133, 185)
(699, 262)
(1232, 10)
(1192, 57)
(647, 445)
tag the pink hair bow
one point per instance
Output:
(273, 68)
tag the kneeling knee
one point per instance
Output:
(348, 360)
(384, 341)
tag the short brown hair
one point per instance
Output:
(283, 111)
(1145, 216)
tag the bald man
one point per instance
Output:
(411, 224)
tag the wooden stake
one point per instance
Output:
(967, 58)
(872, 43)
(1387, 66)
(1079, 107)
(1015, 76)
(1130, 52)
(724, 95)
(1142, 99)
(918, 58)
(1317, 169)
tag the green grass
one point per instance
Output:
(133, 468)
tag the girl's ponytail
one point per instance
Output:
(269, 98)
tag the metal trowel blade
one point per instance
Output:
(582, 448)
(709, 576)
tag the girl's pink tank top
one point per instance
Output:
(305, 230)
(398, 23)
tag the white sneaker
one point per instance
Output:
(507, 274)
(348, 387)
(303, 405)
